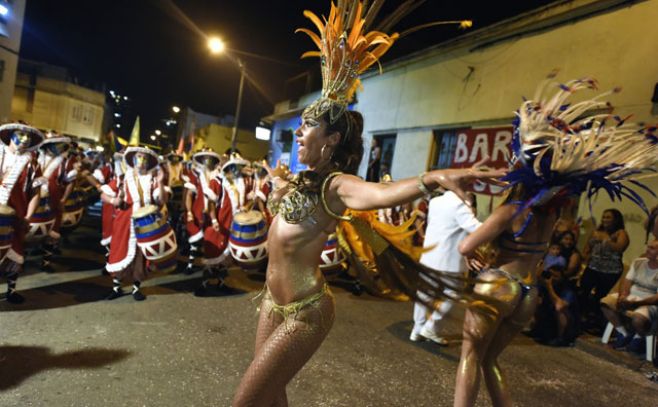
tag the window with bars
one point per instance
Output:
(445, 142)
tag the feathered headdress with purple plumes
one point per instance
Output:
(563, 149)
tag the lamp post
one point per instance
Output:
(217, 46)
(234, 134)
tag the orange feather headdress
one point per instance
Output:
(346, 50)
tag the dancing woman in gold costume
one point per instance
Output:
(562, 150)
(297, 309)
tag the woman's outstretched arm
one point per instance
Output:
(358, 194)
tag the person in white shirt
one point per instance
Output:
(634, 309)
(449, 221)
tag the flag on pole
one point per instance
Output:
(115, 142)
(121, 143)
(181, 146)
(134, 135)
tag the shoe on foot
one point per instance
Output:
(432, 336)
(47, 268)
(189, 270)
(415, 336)
(15, 298)
(115, 294)
(622, 341)
(138, 296)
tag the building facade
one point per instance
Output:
(46, 97)
(218, 137)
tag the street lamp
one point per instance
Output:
(175, 109)
(217, 46)
(158, 132)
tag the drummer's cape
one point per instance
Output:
(369, 242)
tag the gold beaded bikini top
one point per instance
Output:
(305, 191)
(302, 198)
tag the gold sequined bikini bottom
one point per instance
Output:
(290, 311)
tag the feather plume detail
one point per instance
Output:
(563, 148)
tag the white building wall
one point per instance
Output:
(411, 153)
(485, 87)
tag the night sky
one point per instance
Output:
(146, 50)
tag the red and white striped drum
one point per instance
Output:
(331, 258)
(248, 241)
(74, 208)
(7, 215)
(41, 222)
(155, 238)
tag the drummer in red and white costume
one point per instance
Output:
(141, 185)
(194, 206)
(72, 175)
(235, 183)
(53, 162)
(104, 175)
(213, 211)
(18, 199)
(262, 186)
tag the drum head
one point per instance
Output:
(248, 218)
(147, 210)
(6, 210)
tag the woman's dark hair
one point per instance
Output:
(349, 151)
(618, 221)
(567, 251)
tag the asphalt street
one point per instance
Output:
(67, 346)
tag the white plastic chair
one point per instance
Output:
(650, 341)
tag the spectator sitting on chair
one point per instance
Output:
(634, 309)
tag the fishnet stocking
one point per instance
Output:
(282, 349)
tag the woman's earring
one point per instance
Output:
(322, 153)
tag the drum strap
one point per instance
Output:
(52, 165)
(140, 191)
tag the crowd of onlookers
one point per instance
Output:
(583, 291)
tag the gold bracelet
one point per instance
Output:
(421, 185)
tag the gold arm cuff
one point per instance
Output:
(421, 185)
(323, 199)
